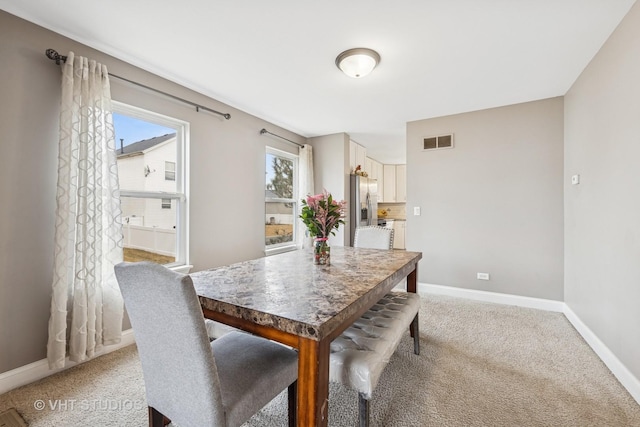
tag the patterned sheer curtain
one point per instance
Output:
(305, 188)
(86, 305)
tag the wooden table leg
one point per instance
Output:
(412, 280)
(313, 383)
(412, 286)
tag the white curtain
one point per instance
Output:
(305, 188)
(86, 304)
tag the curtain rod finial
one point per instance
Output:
(55, 56)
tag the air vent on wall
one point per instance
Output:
(435, 142)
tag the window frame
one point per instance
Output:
(180, 196)
(292, 245)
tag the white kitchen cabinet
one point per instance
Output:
(399, 229)
(357, 156)
(361, 156)
(395, 184)
(389, 183)
(367, 167)
(380, 178)
(373, 172)
(352, 156)
(401, 183)
(376, 171)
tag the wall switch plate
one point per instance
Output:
(416, 210)
(575, 179)
(483, 276)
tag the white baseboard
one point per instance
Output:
(37, 370)
(619, 370)
(626, 378)
(506, 299)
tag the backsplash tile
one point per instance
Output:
(394, 210)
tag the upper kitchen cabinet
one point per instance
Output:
(357, 156)
(380, 177)
(395, 184)
(401, 183)
(389, 183)
(374, 169)
(367, 167)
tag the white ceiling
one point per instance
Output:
(275, 59)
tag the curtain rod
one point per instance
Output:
(263, 131)
(55, 56)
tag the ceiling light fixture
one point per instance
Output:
(357, 62)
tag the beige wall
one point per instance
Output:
(331, 173)
(602, 213)
(227, 169)
(491, 204)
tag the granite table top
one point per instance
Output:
(289, 293)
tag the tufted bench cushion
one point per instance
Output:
(360, 353)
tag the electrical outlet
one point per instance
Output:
(483, 276)
(416, 210)
(575, 179)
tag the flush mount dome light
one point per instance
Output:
(358, 62)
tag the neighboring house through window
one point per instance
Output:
(152, 172)
(280, 199)
(170, 171)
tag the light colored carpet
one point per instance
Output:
(482, 364)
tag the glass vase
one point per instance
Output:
(321, 251)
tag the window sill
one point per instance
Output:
(184, 269)
(280, 250)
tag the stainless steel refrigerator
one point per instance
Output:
(363, 206)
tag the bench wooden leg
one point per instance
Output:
(415, 333)
(363, 410)
(292, 393)
(156, 419)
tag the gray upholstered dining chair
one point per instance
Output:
(360, 354)
(189, 380)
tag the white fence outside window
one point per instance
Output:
(276, 219)
(151, 239)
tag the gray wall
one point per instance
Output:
(226, 179)
(493, 203)
(602, 213)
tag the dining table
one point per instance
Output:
(289, 299)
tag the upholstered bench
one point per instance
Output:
(361, 352)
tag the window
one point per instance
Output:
(170, 171)
(152, 162)
(281, 209)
